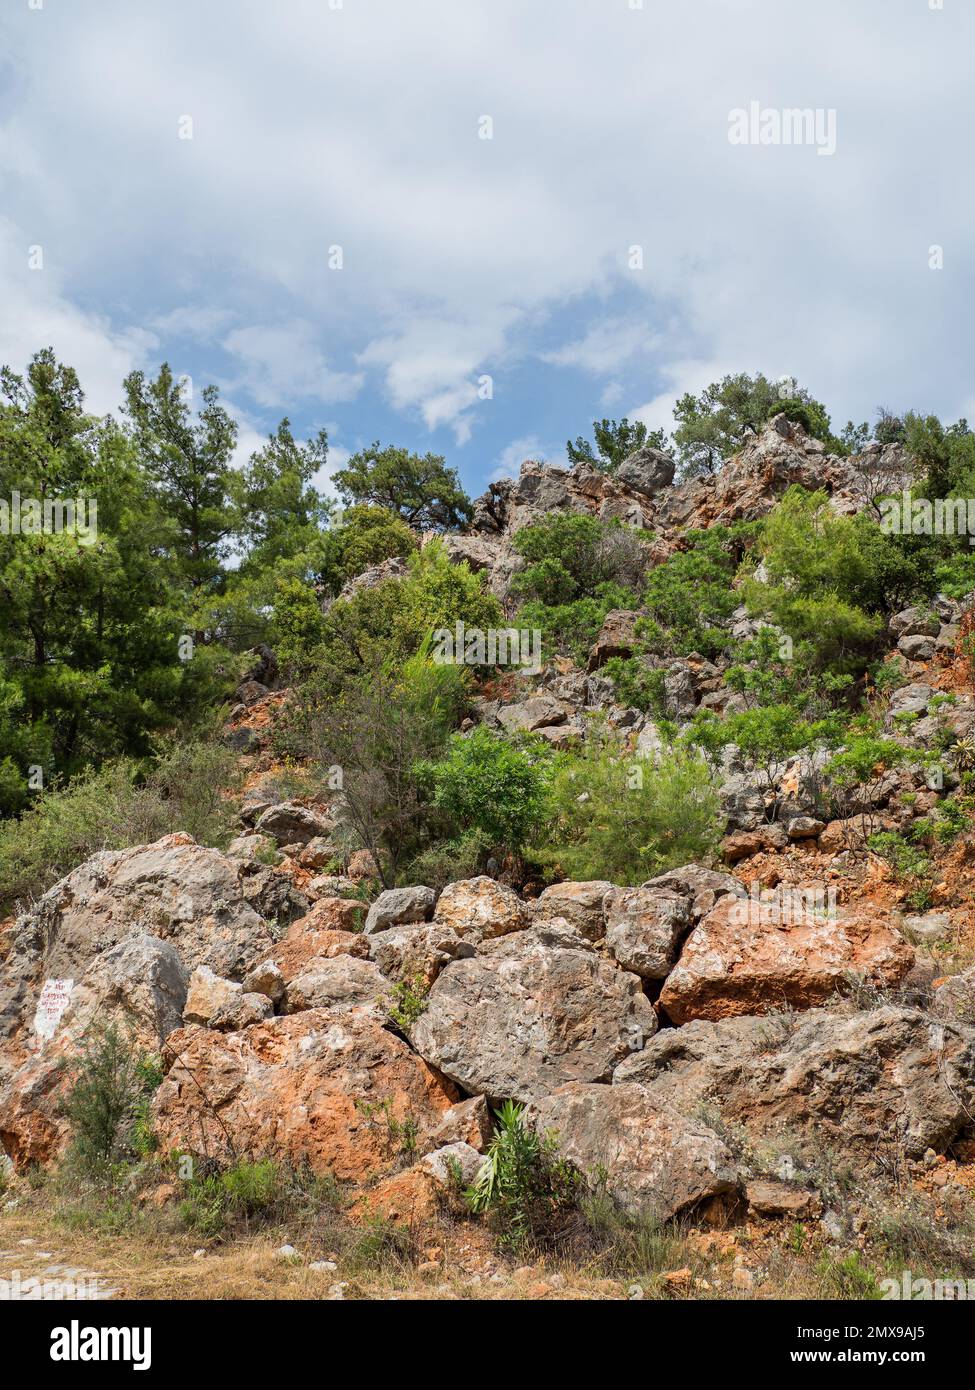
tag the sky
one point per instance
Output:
(472, 227)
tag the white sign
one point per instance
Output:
(55, 998)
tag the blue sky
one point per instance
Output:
(356, 124)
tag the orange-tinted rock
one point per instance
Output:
(748, 957)
(481, 908)
(331, 914)
(299, 1087)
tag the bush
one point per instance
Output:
(766, 736)
(250, 1192)
(525, 1188)
(380, 730)
(111, 809)
(367, 536)
(625, 819)
(381, 626)
(832, 580)
(579, 569)
(689, 598)
(491, 786)
(106, 1106)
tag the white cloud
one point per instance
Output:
(36, 313)
(284, 360)
(513, 455)
(610, 130)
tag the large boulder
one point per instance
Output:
(302, 1087)
(580, 904)
(654, 1160)
(174, 890)
(749, 957)
(289, 823)
(340, 985)
(644, 927)
(398, 906)
(524, 1017)
(617, 637)
(858, 1081)
(480, 908)
(647, 471)
(139, 986)
(417, 952)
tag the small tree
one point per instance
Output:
(107, 1104)
(615, 441)
(488, 784)
(712, 426)
(377, 732)
(422, 490)
(627, 819)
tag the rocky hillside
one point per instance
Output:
(783, 1032)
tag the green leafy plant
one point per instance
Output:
(523, 1185)
(106, 1106)
(626, 819)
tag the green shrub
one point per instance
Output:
(490, 785)
(253, 1191)
(409, 1002)
(112, 809)
(106, 1106)
(626, 819)
(578, 569)
(637, 685)
(689, 597)
(525, 1188)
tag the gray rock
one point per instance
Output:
(288, 823)
(644, 927)
(916, 648)
(454, 1163)
(174, 890)
(525, 1018)
(858, 1081)
(274, 896)
(140, 984)
(265, 978)
(647, 471)
(249, 847)
(911, 699)
(955, 998)
(535, 713)
(914, 622)
(580, 904)
(652, 1158)
(420, 949)
(340, 985)
(804, 828)
(398, 906)
(925, 927)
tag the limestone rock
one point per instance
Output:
(480, 908)
(749, 957)
(655, 1160)
(302, 1086)
(398, 906)
(524, 1018)
(644, 927)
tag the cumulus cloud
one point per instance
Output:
(607, 245)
